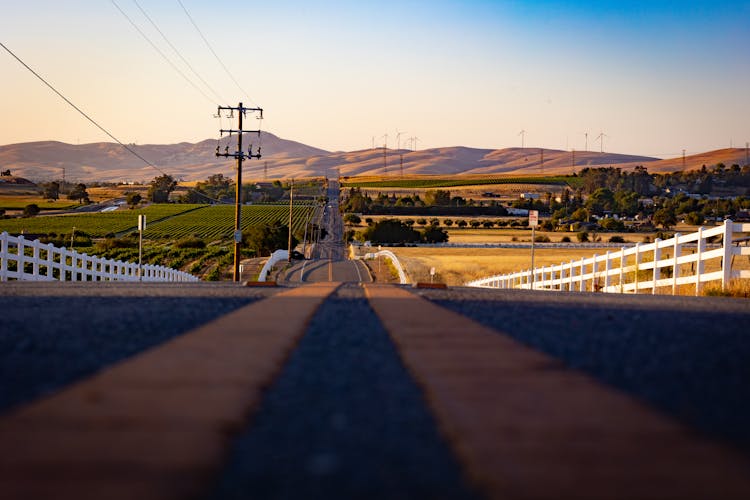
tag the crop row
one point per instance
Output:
(217, 221)
(441, 183)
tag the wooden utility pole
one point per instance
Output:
(291, 203)
(240, 156)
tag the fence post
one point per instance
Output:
(726, 258)
(657, 270)
(699, 267)
(50, 261)
(677, 252)
(637, 264)
(20, 256)
(581, 284)
(623, 260)
(594, 271)
(35, 261)
(4, 256)
(607, 268)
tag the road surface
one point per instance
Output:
(329, 262)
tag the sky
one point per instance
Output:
(655, 77)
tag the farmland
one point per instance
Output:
(207, 229)
(445, 182)
(96, 225)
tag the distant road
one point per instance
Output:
(329, 261)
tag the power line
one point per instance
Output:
(94, 122)
(158, 50)
(205, 40)
(179, 54)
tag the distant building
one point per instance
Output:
(530, 196)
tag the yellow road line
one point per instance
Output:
(524, 426)
(156, 425)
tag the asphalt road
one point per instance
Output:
(344, 418)
(329, 260)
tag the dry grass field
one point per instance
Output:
(456, 266)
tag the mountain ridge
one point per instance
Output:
(283, 158)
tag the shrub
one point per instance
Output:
(541, 238)
(617, 239)
(448, 222)
(582, 236)
(565, 239)
(31, 210)
(352, 219)
(434, 234)
(190, 242)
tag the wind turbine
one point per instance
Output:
(398, 139)
(522, 133)
(600, 138)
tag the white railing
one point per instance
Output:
(394, 260)
(642, 267)
(49, 263)
(274, 259)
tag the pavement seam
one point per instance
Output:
(157, 425)
(525, 426)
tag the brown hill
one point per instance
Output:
(283, 159)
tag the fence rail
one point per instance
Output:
(661, 265)
(49, 263)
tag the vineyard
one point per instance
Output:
(217, 221)
(96, 225)
(164, 221)
(453, 182)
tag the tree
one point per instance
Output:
(434, 234)
(352, 219)
(51, 190)
(695, 218)
(437, 197)
(79, 193)
(665, 218)
(267, 238)
(390, 231)
(600, 201)
(31, 210)
(160, 187)
(461, 223)
(448, 222)
(133, 199)
(475, 224)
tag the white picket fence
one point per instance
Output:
(49, 263)
(642, 267)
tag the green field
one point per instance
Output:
(217, 221)
(164, 221)
(453, 182)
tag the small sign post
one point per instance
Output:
(141, 228)
(533, 222)
(432, 274)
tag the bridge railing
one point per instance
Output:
(30, 260)
(661, 265)
(402, 279)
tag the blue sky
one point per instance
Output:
(655, 77)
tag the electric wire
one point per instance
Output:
(95, 123)
(205, 40)
(179, 54)
(159, 51)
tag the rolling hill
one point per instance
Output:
(283, 158)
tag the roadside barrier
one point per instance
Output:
(642, 267)
(49, 263)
